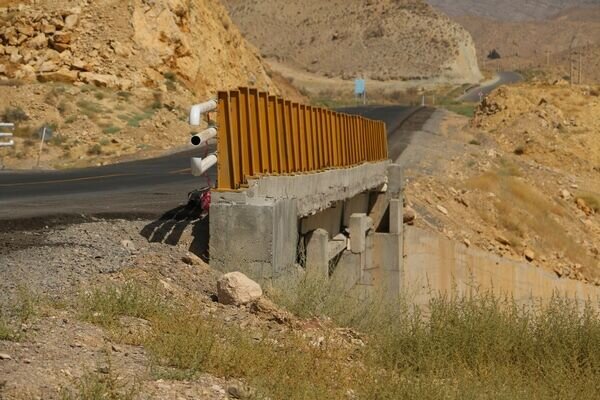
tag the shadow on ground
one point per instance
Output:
(169, 228)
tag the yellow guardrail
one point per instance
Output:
(260, 134)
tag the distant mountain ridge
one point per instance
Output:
(509, 10)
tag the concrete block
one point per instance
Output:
(359, 225)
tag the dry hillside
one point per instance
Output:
(515, 10)
(523, 180)
(380, 39)
(525, 45)
(114, 78)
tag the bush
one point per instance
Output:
(14, 115)
(95, 150)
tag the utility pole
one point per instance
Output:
(571, 45)
(548, 58)
(580, 68)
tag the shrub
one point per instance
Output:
(15, 115)
(95, 150)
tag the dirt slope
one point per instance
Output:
(382, 39)
(115, 78)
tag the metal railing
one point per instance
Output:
(259, 134)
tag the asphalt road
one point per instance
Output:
(138, 188)
(504, 78)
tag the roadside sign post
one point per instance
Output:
(360, 90)
(41, 146)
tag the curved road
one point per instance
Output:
(503, 78)
(138, 188)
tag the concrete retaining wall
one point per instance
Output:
(434, 264)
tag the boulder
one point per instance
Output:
(71, 21)
(81, 65)
(62, 37)
(48, 28)
(237, 289)
(39, 42)
(25, 29)
(409, 216)
(62, 75)
(26, 73)
(16, 58)
(99, 80)
(529, 255)
(48, 66)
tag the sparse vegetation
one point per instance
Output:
(103, 306)
(457, 347)
(111, 129)
(14, 115)
(124, 95)
(95, 150)
(90, 108)
(6, 331)
(135, 119)
(100, 386)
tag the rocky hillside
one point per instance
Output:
(381, 39)
(509, 10)
(521, 180)
(524, 45)
(128, 44)
(114, 78)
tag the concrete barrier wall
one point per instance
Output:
(435, 264)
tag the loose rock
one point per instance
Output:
(236, 288)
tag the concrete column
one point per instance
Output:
(317, 254)
(396, 218)
(395, 177)
(359, 225)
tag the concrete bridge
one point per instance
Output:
(307, 189)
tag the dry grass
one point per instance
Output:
(96, 386)
(461, 347)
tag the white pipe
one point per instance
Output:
(201, 165)
(5, 134)
(199, 109)
(7, 144)
(204, 136)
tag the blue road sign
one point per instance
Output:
(359, 86)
